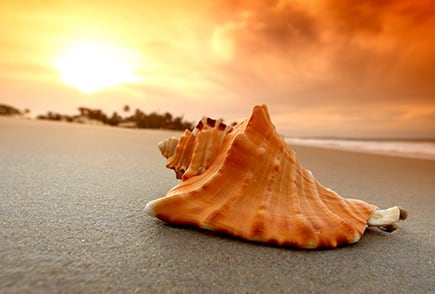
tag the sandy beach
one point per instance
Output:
(72, 201)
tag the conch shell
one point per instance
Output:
(245, 181)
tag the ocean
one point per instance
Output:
(419, 148)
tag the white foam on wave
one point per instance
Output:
(407, 148)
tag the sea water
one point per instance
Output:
(419, 148)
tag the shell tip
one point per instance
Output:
(386, 219)
(403, 214)
(149, 209)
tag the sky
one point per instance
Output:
(324, 68)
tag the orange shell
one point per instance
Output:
(245, 181)
(194, 151)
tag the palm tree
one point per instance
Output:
(126, 108)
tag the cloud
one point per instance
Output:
(262, 27)
(373, 51)
(330, 64)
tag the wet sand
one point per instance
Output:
(72, 220)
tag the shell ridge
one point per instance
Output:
(198, 155)
(177, 161)
(323, 226)
(350, 208)
(342, 221)
(224, 214)
(267, 181)
(266, 176)
(200, 180)
(187, 192)
(360, 210)
(216, 201)
(309, 238)
(350, 217)
(284, 203)
(196, 150)
(279, 216)
(204, 180)
(234, 199)
(257, 227)
(278, 165)
(295, 204)
(207, 143)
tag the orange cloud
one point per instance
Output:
(318, 64)
(376, 54)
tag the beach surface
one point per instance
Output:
(72, 201)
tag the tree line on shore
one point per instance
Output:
(8, 110)
(137, 119)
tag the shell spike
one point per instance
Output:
(386, 219)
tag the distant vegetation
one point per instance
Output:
(9, 110)
(138, 119)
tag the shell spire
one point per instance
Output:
(194, 151)
(246, 182)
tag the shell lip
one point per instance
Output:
(276, 244)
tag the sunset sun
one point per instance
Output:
(91, 67)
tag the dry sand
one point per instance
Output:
(72, 220)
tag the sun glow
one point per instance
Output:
(91, 67)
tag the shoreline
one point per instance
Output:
(403, 149)
(350, 145)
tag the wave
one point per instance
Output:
(417, 148)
